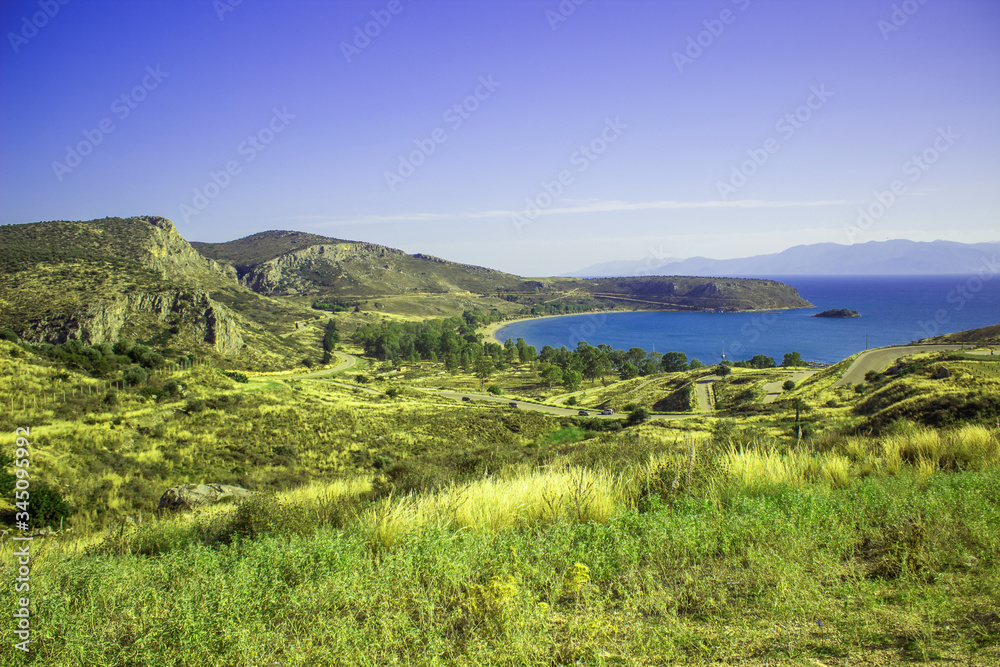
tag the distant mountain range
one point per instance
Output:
(896, 257)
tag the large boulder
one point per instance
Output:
(189, 496)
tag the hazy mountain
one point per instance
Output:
(896, 257)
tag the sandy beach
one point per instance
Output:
(490, 332)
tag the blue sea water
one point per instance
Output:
(893, 310)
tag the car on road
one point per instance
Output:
(583, 413)
(607, 411)
(466, 398)
(513, 405)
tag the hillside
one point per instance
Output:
(287, 263)
(983, 336)
(291, 264)
(249, 300)
(136, 278)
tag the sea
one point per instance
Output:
(894, 310)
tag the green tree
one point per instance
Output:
(722, 370)
(552, 374)
(760, 361)
(788, 385)
(629, 371)
(792, 359)
(674, 362)
(572, 380)
(484, 369)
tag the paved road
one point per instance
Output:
(773, 389)
(882, 358)
(535, 407)
(703, 388)
(346, 361)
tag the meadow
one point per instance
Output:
(426, 531)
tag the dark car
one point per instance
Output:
(466, 398)
(583, 413)
(513, 405)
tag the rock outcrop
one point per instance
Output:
(103, 321)
(294, 273)
(190, 496)
(839, 313)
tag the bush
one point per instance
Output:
(571, 400)
(637, 416)
(194, 405)
(46, 505)
(135, 375)
(873, 376)
(788, 386)
(262, 515)
(392, 392)
(236, 376)
(9, 335)
(722, 370)
(496, 390)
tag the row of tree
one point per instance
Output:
(455, 341)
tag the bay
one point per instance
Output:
(894, 310)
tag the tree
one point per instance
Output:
(792, 359)
(330, 339)
(760, 361)
(572, 380)
(722, 370)
(674, 362)
(629, 371)
(484, 369)
(552, 374)
(695, 364)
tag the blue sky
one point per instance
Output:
(536, 137)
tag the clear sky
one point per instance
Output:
(533, 136)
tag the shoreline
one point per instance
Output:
(490, 332)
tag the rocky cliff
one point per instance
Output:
(108, 320)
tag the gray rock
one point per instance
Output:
(189, 496)
(943, 373)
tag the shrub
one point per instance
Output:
(236, 376)
(496, 390)
(262, 515)
(392, 392)
(135, 375)
(194, 405)
(46, 505)
(722, 370)
(571, 400)
(9, 335)
(788, 385)
(637, 416)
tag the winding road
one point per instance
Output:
(880, 359)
